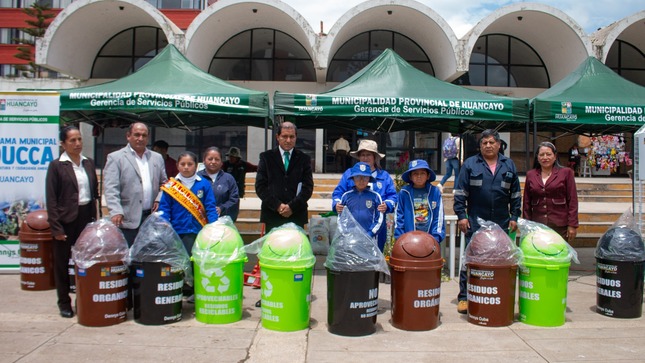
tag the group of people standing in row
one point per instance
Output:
(486, 186)
(136, 183)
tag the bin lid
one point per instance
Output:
(287, 248)
(100, 241)
(491, 246)
(217, 240)
(545, 245)
(416, 245)
(36, 221)
(621, 244)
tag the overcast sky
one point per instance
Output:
(463, 15)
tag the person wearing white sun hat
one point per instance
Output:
(383, 184)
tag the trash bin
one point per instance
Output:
(157, 292)
(159, 264)
(620, 258)
(101, 274)
(491, 258)
(219, 259)
(353, 265)
(415, 263)
(286, 263)
(543, 278)
(36, 260)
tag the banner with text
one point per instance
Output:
(29, 124)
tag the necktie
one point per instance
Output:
(286, 160)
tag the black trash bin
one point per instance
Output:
(36, 260)
(157, 289)
(352, 302)
(353, 265)
(159, 264)
(620, 259)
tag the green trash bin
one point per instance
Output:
(286, 265)
(219, 257)
(543, 278)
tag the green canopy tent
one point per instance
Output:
(591, 99)
(168, 91)
(389, 94)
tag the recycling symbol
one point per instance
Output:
(224, 284)
(268, 288)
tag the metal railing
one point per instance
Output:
(451, 223)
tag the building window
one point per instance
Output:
(128, 51)
(177, 4)
(54, 4)
(500, 60)
(262, 55)
(9, 35)
(359, 51)
(628, 61)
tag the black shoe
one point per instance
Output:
(258, 304)
(66, 312)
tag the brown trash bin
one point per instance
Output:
(101, 293)
(491, 294)
(415, 264)
(36, 260)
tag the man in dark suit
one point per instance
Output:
(284, 181)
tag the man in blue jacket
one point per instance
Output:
(488, 188)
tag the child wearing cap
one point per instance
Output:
(420, 207)
(362, 201)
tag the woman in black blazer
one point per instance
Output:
(71, 194)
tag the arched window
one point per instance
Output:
(128, 51)
(359, 51)
(628, 61)
(500, 60)
(262, 55)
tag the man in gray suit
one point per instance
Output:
(131, 181)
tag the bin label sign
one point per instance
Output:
(298, 277)
(528, 295)
(82, 272)
(139, 272)
(428, 298)
(105, 271)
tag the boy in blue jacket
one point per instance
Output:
(420, 206)
(362, 201)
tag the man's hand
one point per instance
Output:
(463, 225)
(155, 206)
(117, 220)
(382, 207)
(285, 211)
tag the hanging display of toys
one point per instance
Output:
(607, 152)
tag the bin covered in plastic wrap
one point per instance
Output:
(159, 264)
(100, 255)
(286, 264)
(353, 265)
(219, 258)
(492, 259)
(543, 275)
(620, 259)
